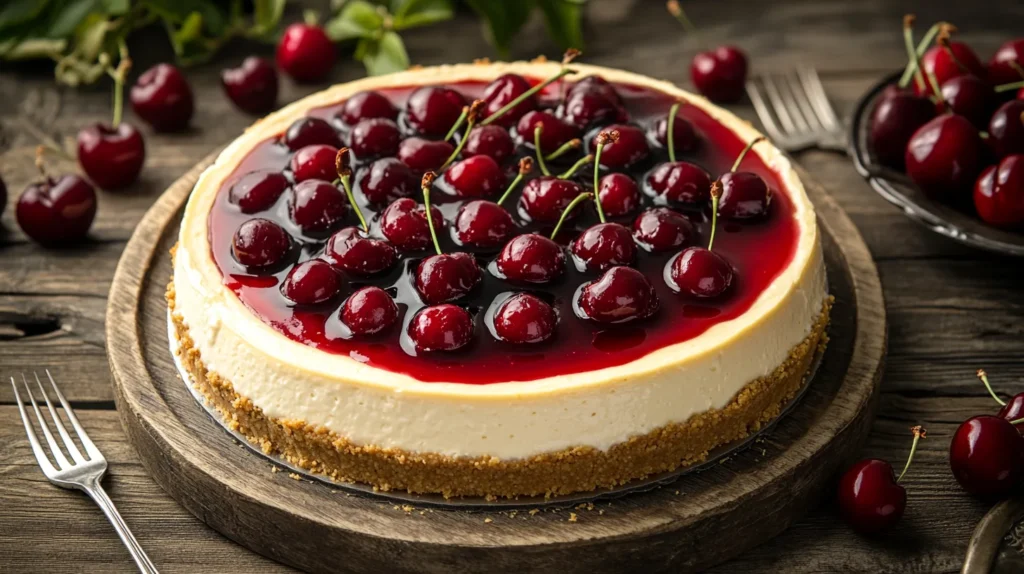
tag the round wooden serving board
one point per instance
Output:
(695, 522)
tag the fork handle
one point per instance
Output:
(96, 492)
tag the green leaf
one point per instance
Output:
(414, 13)
(266, 15)
(115, 7)
(362, 14)
(69, 17)
(502, 20)
(189, 31)
(383, 56)
(339, 30)
(562, 18)
(20, 11)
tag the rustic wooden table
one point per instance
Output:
(951, 309)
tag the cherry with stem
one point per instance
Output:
(871, 497)
(912, 64)
(568, 209)
(472, 115)
(699, 271)
(670, 131)
(932, 82)
(529, 93)
(567, 58)
(341, 164)
(563, 149)
(604, 138)
(525, 166)
(427, 182)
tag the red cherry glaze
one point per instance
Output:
(432, 110)
(252, 86)
(621, 295)
(585, 108)
(492, 141)
(1014, 410)
(482, 224)
(478, 176)
(684, 136)
(999, 193)
(423, 155)
(720, 74)
(311, 282)
(987, 456)
(404, 223)
(999, 69)
(630, 149)
(545, 198)
(258, 191)
(310, 131)
(502, 91)
(699, 272)
(260, 243)
(938, 62)
(1006, 129)
(602, 246)
(446, 277)
(943, 156)
(55, 211)
(314, 162)
(531, 258)
(305, 53)
(353, 251)
(554, 131)
(386, 180)
(679, 182)
(441, 328)
(598, 85)
(111, 157)
(375, 137)
(317, 206)
(869, 497)
(619, 194)
(660, 229)
(897, 115)
(369, 310)
(162, 98)
(745, 196)
(969, 97)
(367, 105)
(524, 318)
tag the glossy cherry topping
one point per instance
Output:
(621, 295)
(260, 243)
(625, 150)
(369, 310)
(478, 176)
(311, 282)
(317, 206)
(524, 318)
(602, 246)
(375, 137)
(660, 229)
(593, 101)
(252, 86)
(422, 155)
(483, 224)
(679, 182)
(386, 180)
(433, 110)
(404, 223)
(492, 141)
(352, 250)
(441, 328)
(554, 132)
(504, 90)
(545, 198)
(314, 162)
(745, 195)
(442, 278)
(683, 133)
(619, 194)
(258, 191)
(700, 272)
(531, 258)
(367, 105)
(310, 131)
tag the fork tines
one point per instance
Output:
(794, 109)
(59, 457)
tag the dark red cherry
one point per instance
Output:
(987, 456)
(1014, 410)
(251, 86)
(162, 98)
(745, 196)
(404, 223)
(524, 318)
(545, 198)
(999, 69)
(531, 258)
(482, 224)
(311, 282)
(630, 149)
(720, 74)
(352, 250)
(598, 85)
(305, 53)
(423, 155)
(441, 328)
(937, 61)
(367, 105)
(492, 141)
(55, 211)
(869, 497)
(554, 131)
(317, 206)
(619, 194)
(310, 131)
(969, 97)
(684, 135)
(679, 182)
(433, 110)
(622, 294)
(602, 246)
(314, 162)
(369, 310)
(111, 157)
(446, 277)
(660, 229)
(699, 272)
(588, 107)
(257, 191)
(375, 137)
(478, 176)
(999, 193)
(502, 91)
(1006, 129)
(943, 157)
(897, 115)
(260, 243)
(386, 180)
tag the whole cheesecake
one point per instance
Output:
(522, 336)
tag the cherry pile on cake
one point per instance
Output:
(498, 280)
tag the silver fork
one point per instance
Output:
(805, 117)
(84, 473)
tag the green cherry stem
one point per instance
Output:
(457, 124)
(984, 379)
(568, 208)
(670, 128)
(603, 138)
(525, 165)
(576, 166)
(567, 58)
(743, 154)
(908, 42)
(345, 175)
(564, 149)
(428, 180)
(1016, 422)
(1016, 67)
(1010, 86)
(119, 74)
(504, 109)
(716, 192)
(471, 117)
(540, 154)
(943, 41)
(922, 46)
(677, 12)
(919, 433)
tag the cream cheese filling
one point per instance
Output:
(511, 420)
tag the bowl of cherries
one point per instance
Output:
(944, 139)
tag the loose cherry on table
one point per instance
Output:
(486, 224)
(252, 86)
(1001, 69)
(55, 211)
(897, 115)
(163, 98)
(745, 195)
(698, 271)
(661, 229)
(367, 105)
(369, 310)
(943, 156)
(305, 52)
(622, 294)
(260, 243)
(524, 318)
(375, 137)
(433, 111)
(999, 193)
(310, 131)
(386, 180)
(720, 74)
(112, 155)
(987, 456)
(870, 496)
(314, 162)
(311, 282)
(443, 277)
(1006, 129)
(1012, 410)
(444, 327)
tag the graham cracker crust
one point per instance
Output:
(578, 469)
